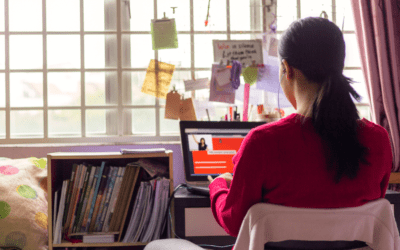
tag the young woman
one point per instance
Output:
(323, 156)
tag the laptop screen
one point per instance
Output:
(208, 147)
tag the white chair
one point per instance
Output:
(275, 227)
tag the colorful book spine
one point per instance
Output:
(78, 193)
(69, 191)
(103, 182)
(94, 196)
(89, 202)
(81, 197)
(73, 195)
(113, 199)
(103, 200)
(85, 196)
(108, 197)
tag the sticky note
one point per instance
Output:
(250, 75)
(158, 78)
(164, 34)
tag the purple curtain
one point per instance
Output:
(378, 33)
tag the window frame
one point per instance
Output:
(122, 131)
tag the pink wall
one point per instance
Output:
(37, 151)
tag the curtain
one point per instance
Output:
(378, 34)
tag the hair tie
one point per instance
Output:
(235, 74)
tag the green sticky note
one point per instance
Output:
(164, 34)
(250, 75)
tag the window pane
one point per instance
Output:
(180, 57)
(343, 9)
(203, 50)
(64, 89)
(177, 79)
(315, 8)
(95, 87)
(2, 27)
(63, 15)
(96, 121)
(137, 97)
(94, 15)
(63, 52)
(2, 53)
(181, 15)
(95, 51)
(26, 123)
(144, 121)
(364, 112)
(2, 90)
(359, 84)
(2, 124)
(26, 55)
(352, 53)
(287, 13)
(168, 126)
(141, 16)
(250, 13)
(26, 90)
(141, 51)
(64, 123)
(203, 94)
(25, 15)
(217, 15)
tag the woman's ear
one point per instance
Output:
(287, 69)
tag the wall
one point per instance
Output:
(25, 151)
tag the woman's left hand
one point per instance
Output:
(227, 176)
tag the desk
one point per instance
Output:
(194, 220)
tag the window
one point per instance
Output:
(80, 80)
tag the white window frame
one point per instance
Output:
(122, 133)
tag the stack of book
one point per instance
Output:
(95, 199)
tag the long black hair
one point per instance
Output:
(316, 47)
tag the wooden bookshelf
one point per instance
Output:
(59, 166)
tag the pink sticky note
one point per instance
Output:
(246, 101)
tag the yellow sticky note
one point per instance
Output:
(158, 78)
(250, 75)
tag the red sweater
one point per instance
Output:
(280, 163)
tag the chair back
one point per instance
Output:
(270, 226)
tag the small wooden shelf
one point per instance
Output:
(59, 167)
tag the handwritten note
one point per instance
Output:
(202, 83)
(244, 51)
(225, 93)
(158, 78)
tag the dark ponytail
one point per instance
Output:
(316, 47)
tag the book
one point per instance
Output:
(133, 223)
(78, 194)
(55, 211)
(103, 182)
(103, 200)
(113, 199)
(163, 209)
(99, 238)
(89, 201)
(69, 191)
(141, 151)
(58, 228)
(148, 213)
(156, 209)
(81, 198)
(145, 211)
(86, 198)
(108, 198)
(128, 174)
(94, 196)
(73, 195)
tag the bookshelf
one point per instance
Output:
(59, 166)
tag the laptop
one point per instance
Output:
(208, 148)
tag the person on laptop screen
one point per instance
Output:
(323, 156)
(202, 143)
